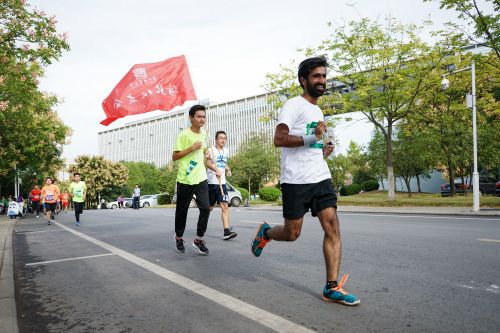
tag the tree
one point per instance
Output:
(101, 176)
(444, 115)
(390, 67)
(142, 173)
(338, 166)
(414, 153)
(376, 156)
(168, 178)
(486, 25)
(31, 133)
(256, 162)
(385, 68)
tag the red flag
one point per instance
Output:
(147, 87)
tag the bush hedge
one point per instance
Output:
(269, 193)
(244, 193)
(163, 199)
(350, 189)
(370, 185)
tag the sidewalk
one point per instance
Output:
(8, 318)
(465, 211)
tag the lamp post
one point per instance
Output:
(475, 175)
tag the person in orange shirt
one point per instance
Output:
(65, 200)
(50, 195)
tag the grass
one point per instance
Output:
(379, 198)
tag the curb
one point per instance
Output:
(8, 317)
(454, 211)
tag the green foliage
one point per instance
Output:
(168, 178)
(339, 167)
(350, 189)
(256, 163)
(144, 174)
(269, 193)
(101, 176)
(164, 199)
(31, 133)
(370, 185)
(244, 193)
(486, 24)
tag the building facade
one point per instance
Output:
(152, 140)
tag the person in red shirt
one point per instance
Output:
(65, 200)
(35, 200)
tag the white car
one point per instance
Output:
(149, 200)
(234, 195)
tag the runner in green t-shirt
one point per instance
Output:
(78, 191)
(190, 151)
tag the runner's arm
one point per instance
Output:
(177, 155)
(282, 138)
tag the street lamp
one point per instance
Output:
(475, 175)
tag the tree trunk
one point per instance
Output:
(418, 184)
(391, 185)
(407, 183)
(249, 192)
(451, 171)
(464, 187)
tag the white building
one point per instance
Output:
(153, 139)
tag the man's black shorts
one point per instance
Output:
(215, 195)
(299, 198)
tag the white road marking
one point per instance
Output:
(247, 310)
(490, 240)
(70, 259)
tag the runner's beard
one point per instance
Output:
(313, 91)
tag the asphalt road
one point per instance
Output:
(412, 273)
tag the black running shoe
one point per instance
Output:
(229, 235)
(200, 246)
(179, 245)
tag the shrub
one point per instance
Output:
(244, 193)
(163, 199)
(269, 193)
(370, 185)
(351, 189)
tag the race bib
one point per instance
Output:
(49, 197)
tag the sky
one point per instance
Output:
(230, 46)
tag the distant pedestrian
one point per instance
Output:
(136, 197)
(13, 209)
(35, 196)
(120, 201)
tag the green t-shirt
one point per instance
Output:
(192, 166)
(76, 190)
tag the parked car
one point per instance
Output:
(127, 203)
(234, 195)
(497, 190)
(487, 185)
(149, 200)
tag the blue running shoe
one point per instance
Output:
(259, 241)
(77, 223)
(339, 295)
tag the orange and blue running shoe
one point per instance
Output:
(259, 240)
(339, 295)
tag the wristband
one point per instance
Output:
(309, 139)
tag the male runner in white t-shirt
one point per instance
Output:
(305, 178)
(217, 191)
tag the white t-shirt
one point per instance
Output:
(302, 165)
(219, 158)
